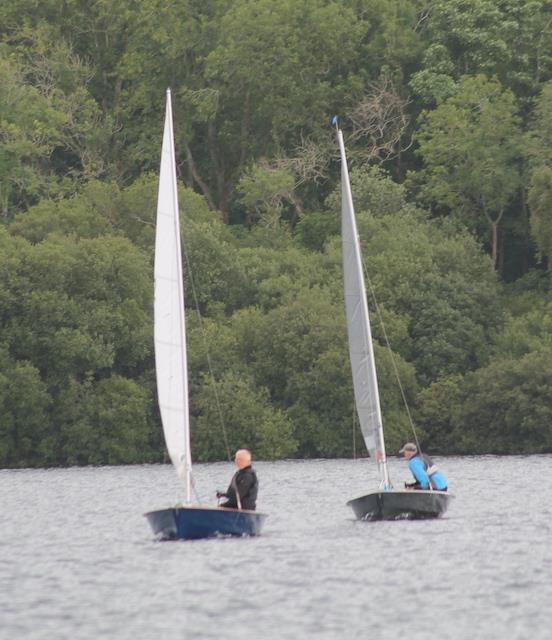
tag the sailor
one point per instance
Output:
(425, 473)
(242, 492)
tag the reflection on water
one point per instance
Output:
(77, 559)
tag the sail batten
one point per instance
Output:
(361, 352)
(169, 319)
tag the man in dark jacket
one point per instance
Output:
(242, 492)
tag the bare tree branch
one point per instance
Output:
(309, 163)
(380, 121)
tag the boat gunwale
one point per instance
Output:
(208, 508)
(402, 492)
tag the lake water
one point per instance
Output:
(77, 559)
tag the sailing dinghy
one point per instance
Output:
(386, 503)
(186, 521)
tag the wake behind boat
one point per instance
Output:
(386, 503)
(185, 521)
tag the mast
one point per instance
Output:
(169, 314)
(361, 351)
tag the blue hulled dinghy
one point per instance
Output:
(185, 521)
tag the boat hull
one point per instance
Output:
(194, 523)
(400, 505)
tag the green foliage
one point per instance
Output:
(52, 131)
(214, 277)
(29, 130)
(103, 208)
(108, 424)
(248, 420)
(437, 408)
(435, 83)
(25, 438)
(436, 291)
(506, 406)
(539, 137)
(314, 229)
(276, 275)
(526, 332)
(78, 315)
(256, 60)
(540, 204)
(82, 306)
(488, 37)
(253, 85)
(264, 190)
(297, 351)
(471, 147)
(374, 192)
(502, 407)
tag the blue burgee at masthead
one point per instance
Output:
(334, 121)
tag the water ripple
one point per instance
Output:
(77, 559)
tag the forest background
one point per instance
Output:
(446, 106)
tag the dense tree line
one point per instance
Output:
(446, 107)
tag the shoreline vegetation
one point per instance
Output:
(448, 119)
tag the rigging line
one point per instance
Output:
(208, 357)
(354, 432)
(234, 483)
(198, 499)
(393, 361)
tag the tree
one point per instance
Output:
(53, 132)
(380, 122)
(525, 331)
(108, 423)
(538, 141)
(76, 321)
(278, 68)
(249, 420)
(25, 428)
(539, 155)
(510, 39)
(29, 130)
(435, 289)
(471, 148)
(540, 205)
(506, 406)
(375, 193)
(437, 406)
(264, 190)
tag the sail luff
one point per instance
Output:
(169, 318)
(361, 350)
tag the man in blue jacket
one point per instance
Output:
(424, 471)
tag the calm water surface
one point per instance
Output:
(77, 559)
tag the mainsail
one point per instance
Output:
(361, 351)
(169, 321)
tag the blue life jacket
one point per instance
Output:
(425, 472)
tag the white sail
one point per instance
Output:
(169, 320)
(361, 351)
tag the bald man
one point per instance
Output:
(242, 492)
